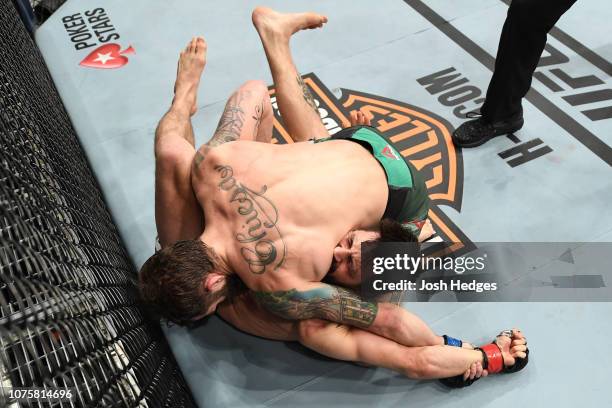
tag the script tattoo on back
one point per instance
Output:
(262, 244)
(328, 302)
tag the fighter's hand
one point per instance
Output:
(513, 345)
(427, 231)
(475, 371)
(518, 346)
(358, 118)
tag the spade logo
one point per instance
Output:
(387, 152)
(108, 56)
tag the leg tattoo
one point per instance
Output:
(307, 95)
(231, 122)
(259, 112)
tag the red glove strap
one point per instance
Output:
(494, 357)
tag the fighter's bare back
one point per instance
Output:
(277, 226)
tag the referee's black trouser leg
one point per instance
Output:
(522, 41)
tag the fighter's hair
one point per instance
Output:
(171, 282)
(390, 231)
(393, 231)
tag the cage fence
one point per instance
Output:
(43, 9)
(68, 311)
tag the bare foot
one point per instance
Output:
(513, 344)
(272, 25)
(188, 73)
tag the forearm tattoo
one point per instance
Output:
(328, 302)
(231, 122)
(307, 94)
(261, 242)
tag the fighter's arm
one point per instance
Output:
(340, 342)
(336, 304)
(245, 314)
(352, 344)
(177, 214)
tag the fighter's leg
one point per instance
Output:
(295, 102)
(247, 116)
(177, 213)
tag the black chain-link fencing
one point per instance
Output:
(68, 312)
(43, 9)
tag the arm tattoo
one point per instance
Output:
(261, 243)
(328, 302)
(307, 95)
(231, 122)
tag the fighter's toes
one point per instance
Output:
(311, 20)
(201, 45)
(270, 22)
(315, 21)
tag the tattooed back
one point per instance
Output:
(276, 212)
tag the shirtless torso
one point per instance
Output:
(276, 227)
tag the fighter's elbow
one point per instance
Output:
(310, 329)
(280, 304)
(388, 321)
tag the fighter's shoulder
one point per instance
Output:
(209, 156)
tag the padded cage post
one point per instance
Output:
(68, 314)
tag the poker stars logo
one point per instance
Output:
(93, 28)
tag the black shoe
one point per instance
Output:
(479, 131)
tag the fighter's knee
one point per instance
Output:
(168, 156)
(255, 87)
(390, 319)
(308, 329)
